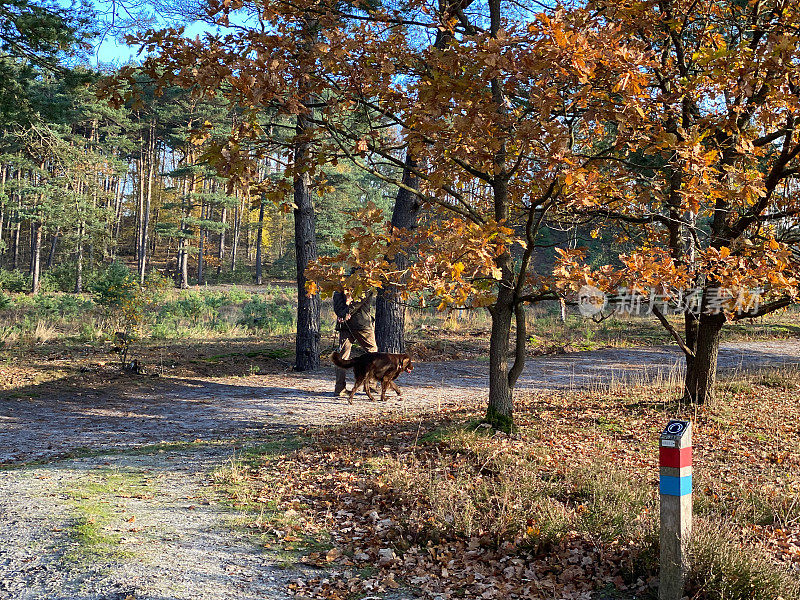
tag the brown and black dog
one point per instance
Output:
(377, 366)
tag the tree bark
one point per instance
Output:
(259, 242)
(118, 205)
(690, 338)
(201, 248)
(305, 229)
(15, 253)
(501, 402)
(702, 375)
(18, 228)
(36, 253)
(31, 242)
(139, 201)
(305, 243)
(390, 311)
(308, 307)
(237, 228)
(248, 232)
(53, 246)
(3, 210)
(184, 274)
(147, 201)
(182, 268)
(79, 261)
(221, 247)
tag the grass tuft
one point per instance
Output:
(723, 569)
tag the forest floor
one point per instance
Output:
(110, 482)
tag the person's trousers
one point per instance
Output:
(365, 339)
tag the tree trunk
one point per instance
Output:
(31, 242)
(221, 248)
(139, 201)
(15, 253)
(3, 211)
(501, 402)
(390, 311)
(201, 248)
(237, 228)
(690, 337)
(53, 245)
(305, 243)
(183, 281)
(178, 262)
(182, 268)
(118, 205)
(259, 240)
(18, 229)
(36, 253)
(145, 220)
(79, 261)
(248, 231)
(702, 376)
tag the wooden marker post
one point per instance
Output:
(675, 488)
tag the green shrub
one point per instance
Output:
(163, 331)
(88, 332)
(284, 267)
(61, 277)
(238, 296)
(117, 289)
(191, 306)
(242, 275)
(272, 315)
(14, 281)
(115, 286)
(157, 285)
(58, 305)
(5, 301)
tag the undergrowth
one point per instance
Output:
(568, 504)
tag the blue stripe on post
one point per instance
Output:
(675, 486)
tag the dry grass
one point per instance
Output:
(483, 486)
(44, 332)
(722, 568)
(579, 477)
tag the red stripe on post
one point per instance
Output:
(675, 457)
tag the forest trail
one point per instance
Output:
(137, 517)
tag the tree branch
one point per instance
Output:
(676, 336)
(764, 310)
(519, 347)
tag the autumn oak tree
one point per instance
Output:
(497, 118)
(707, 194)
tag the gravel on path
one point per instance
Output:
(170, 537)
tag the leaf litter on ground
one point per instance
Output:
(563, 508)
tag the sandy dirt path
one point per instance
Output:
(182, 543)
(42, 424)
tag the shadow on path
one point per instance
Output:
(40, 421)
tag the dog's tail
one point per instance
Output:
(340, 362)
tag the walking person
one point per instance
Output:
(355, 323)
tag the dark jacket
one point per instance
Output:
(360, 317)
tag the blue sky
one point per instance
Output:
(111, 51)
